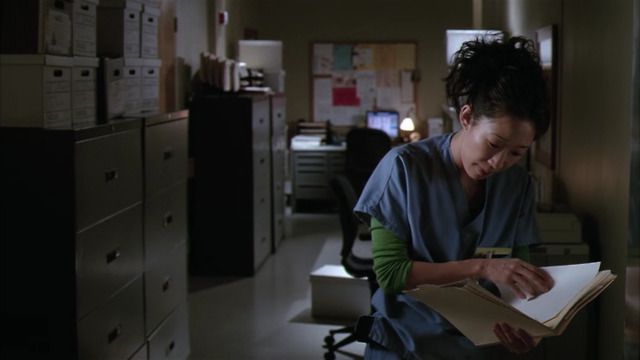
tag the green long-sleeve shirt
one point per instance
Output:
(391, 261)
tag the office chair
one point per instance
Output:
(355, 265)
(365, 148)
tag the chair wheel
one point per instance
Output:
(329, 356)
(329, 340)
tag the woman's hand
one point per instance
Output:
(521, 277)
(516, 341)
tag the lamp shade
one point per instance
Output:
(407, 124)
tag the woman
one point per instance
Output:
(434, 204)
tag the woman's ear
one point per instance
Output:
(465, 117)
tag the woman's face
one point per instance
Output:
(490, 145)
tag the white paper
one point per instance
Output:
(569, 280)
(322, 59)
(321, 99)
(388, 97)
(345, 115)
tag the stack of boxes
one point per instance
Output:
(128, 42)
(49, 65)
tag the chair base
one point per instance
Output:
(333, 347)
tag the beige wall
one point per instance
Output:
(594, 127)
(298, 23)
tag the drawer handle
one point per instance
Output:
(113, 255)
(111, 175)
(261, 200)
(166, 284)
(261, 120)
(168, 219)
(170, 348)
(261, 161)
(114, 334)
(167, 154)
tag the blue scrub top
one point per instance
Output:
(415, 192)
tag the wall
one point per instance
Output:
(594, 127)
(298, 23)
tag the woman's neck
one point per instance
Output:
(470, 186)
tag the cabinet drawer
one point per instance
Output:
(260, 124)
(311, 178)
(171, 339)
(165, 286)
(114, 330)
(108, 256)
(108, 176)
(141, 354)
(310, 158)
(312, 192)
(165, 155)
(165, 222)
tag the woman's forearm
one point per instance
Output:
(442, 273)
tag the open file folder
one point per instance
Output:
(474, 310)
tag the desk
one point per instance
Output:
(313, 167)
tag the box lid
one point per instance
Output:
(151, 10)
(333, 273)
(86, 61)
(151, 62)
(36, 59)
(132, 61)
(129, 4)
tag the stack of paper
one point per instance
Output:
(474, 310)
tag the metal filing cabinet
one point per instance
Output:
(165, 235)
(72, 250)
(230, 193)
(313, 168)
(278, 147)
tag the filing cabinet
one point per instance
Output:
(230, 192)
(119, 28)
(93, 240)
(165, 235)
(36, 27)
(278, 147)
(35, 91)
(72, 246)
(84, 27)
(312, 171)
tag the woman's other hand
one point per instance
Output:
(517, 341)
(521, 277)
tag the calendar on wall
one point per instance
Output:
(350, 78)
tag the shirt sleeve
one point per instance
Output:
(391, 262)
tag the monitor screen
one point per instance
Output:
(386, 121)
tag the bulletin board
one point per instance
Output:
(349, 79)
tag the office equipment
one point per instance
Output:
(108, 230)
(350, 298)
(456, 37)
(312, 168)
(365, 148)
(386, 121)
(35, 91)
(473, 310)
(230, 193)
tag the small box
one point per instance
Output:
(36, 27)
(337, 295)
(85, 19)
(559, 227)
(35, 91)
(149, 32)
(83, 91)
(119, 29)
(112, 91)
(132, 83)
(151, 85)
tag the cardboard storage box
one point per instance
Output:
(149, 32)
(119, 28)
(337, 295)
(151, 85)
(84, 81)
(132, 83)
(112, 91)
(35, 91)
(85, 19)
(36, 27)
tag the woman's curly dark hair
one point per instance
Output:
(500, 78)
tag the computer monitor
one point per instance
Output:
(386, 121)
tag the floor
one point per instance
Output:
(267, 316)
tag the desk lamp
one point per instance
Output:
(407, 126)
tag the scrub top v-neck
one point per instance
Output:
(415, 192)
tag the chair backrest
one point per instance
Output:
(365, 148)
(346, 198)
